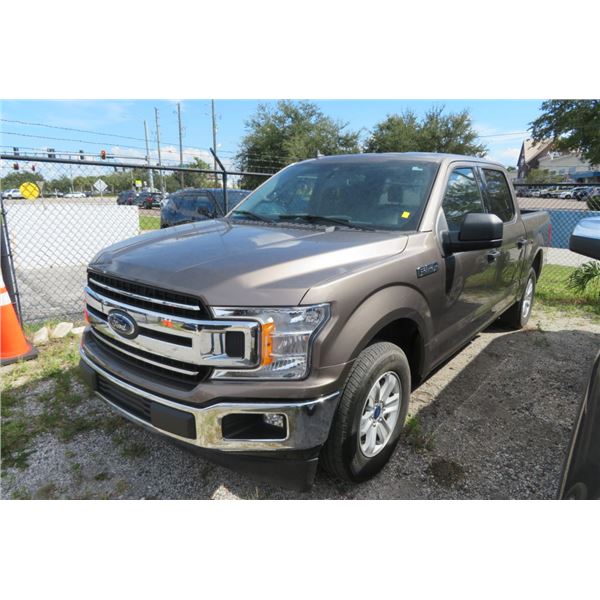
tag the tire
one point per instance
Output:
(516, 317)
(346, 455)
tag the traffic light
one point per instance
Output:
(33, 168)
(103, 154)
(16, 166)
(51, 153)
(15, 151)
(81, 156)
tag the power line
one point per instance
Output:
(112, 135)
(42, 137)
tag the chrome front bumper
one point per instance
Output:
(307, 421)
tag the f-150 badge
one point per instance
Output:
(427, 269)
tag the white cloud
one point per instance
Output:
(506, 156)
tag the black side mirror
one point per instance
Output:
(478, 231)
(585, 238)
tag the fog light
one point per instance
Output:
(274, 419)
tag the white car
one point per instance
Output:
(75, 195)
(567, 194)
(14, 193)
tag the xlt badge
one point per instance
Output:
(427, 269)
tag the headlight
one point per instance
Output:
(284, 342)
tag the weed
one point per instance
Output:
(121, 487)
(46, 492)
(21, 494)
(414, 435)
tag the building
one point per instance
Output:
(569, 165)
(529, 157)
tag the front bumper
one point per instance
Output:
(306, 422)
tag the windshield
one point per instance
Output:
(387, 194)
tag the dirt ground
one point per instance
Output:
(493, 422)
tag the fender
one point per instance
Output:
(347, 337)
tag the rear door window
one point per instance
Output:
(499, 198)
(463, 196)
(197, 204)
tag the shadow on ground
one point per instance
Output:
(493, 422)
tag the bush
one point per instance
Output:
(593, 203)
(586, 277)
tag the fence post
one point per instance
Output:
(225, 203)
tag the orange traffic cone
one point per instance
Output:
(13, 345)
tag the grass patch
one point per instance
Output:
(553, 292)
(50, 382)
(414, 435)
(147, 223)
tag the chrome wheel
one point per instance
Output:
(380, 414)
(527, 299)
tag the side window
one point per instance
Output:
(462, 196)
(498, 195)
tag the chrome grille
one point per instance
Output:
(182, 346)
(150, 298)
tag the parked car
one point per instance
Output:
(149, 199)
(293, 329)
(128, 197)
(566, 194)
(75, 195)
(197, 205)
(581, 472)
(54, 194)
(12, 194)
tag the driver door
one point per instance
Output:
(468, 296)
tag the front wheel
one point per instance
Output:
(518, 314)
(371, 414)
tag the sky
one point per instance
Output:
(502, 124)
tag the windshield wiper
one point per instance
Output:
(325, 220)
(251, 215)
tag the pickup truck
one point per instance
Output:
(293, 329)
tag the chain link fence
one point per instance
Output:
(59, 213)
(567, 204)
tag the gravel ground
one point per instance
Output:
(493, 422)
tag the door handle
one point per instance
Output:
(492, 255)
(522, 242)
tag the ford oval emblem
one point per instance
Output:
(120, 322)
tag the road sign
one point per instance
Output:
(138, 183)
(29, 190)
(100, 186)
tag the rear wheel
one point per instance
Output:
(518, 314)
(371, 414)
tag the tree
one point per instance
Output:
(16, 178)
(290, 132)
(435, 132)
(574, 125)
(196, 180)
(543, 176)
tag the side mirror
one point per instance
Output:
(478, 231)
(585, 238)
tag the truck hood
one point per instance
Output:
(229, 264)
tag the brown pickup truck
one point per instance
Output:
(294, 328)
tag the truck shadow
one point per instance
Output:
(493, 422)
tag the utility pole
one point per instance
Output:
(150, 171)
(214, 136)
(160, 172)
(180, 144)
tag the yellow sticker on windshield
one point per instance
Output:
(405, 214)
